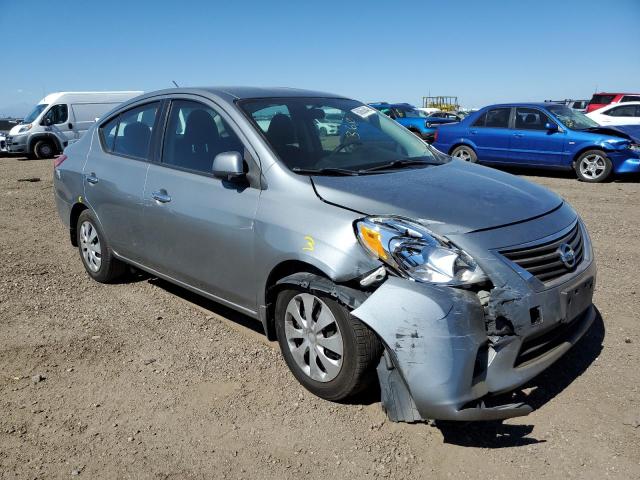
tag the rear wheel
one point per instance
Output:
(95, 253)
(44, 149)
(331, 353)
(465, 153)
(593, 166)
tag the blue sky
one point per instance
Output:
(482, 51)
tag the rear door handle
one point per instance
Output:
(518, 134)
(92, 179)
(161, 196)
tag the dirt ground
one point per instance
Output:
(134, 381)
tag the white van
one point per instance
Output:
(60, 119)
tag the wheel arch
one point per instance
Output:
(44, 136)
(76, 210)
(461, 143)
(282, 270)
(581, 150)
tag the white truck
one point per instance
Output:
(60, 119)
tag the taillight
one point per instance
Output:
(58, 160)
(435, 136)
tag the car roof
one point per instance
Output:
(232, 93)
(392, 105)
(524, 104)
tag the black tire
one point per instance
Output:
(463, 152)
(361, 351)
(44, 149)
(110, 268)
(599, 175)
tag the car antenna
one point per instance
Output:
(174, 82)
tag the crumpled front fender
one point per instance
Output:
(434, 335)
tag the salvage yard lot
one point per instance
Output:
(134, 381)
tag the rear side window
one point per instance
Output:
(134, 130)
(480, 121)
(622, 111)
(530, 119)
(108, 134)
(194, 136)
(602, 99)
(498, 118)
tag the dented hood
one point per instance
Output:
(456, 197)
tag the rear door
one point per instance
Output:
(115, 174)
(532, 143)
(491, 135)
(200, 229)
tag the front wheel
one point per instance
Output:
(593, 166)
(43, 149)
(465, 153)
(331, 353)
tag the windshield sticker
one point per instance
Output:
(363, 111)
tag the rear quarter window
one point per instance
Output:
(108, 134)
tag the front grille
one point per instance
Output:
(543, 260)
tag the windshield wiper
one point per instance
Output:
(398, 164)
(325, 171)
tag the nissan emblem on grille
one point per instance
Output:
(567, 255)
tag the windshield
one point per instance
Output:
(363, 139)
(37, 110)
(572, 119)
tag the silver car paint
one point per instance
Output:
(432, 333)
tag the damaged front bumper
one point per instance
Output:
(441, 360)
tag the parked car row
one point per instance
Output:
(421, 123)
(370, 256)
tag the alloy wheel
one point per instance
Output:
(313, 337)
(593, 166)
(462, 154)
(90, 246)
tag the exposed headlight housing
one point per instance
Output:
(25, 128)
(635, 147)
(414, 252)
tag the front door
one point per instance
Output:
(533, 143)
(60, 123)
(200, 229)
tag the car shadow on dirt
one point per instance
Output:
(536, 393)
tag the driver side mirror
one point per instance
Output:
(228, 166)
(47, 122)
(552, 127)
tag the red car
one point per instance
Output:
(600, 100)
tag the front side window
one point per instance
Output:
(622, 111)
(481, 120)
(498, 118)
(57, 114)
(195, 134)
(133, 135)
(531, 119)
(571, 118)
(365, 138)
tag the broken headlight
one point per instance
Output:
(414, 252)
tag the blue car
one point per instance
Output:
(541, 135)
(418, 122)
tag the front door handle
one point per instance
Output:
(473, 132)
(92, 179)
(518, 134)
(161, 196)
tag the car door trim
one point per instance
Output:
(199, 291)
